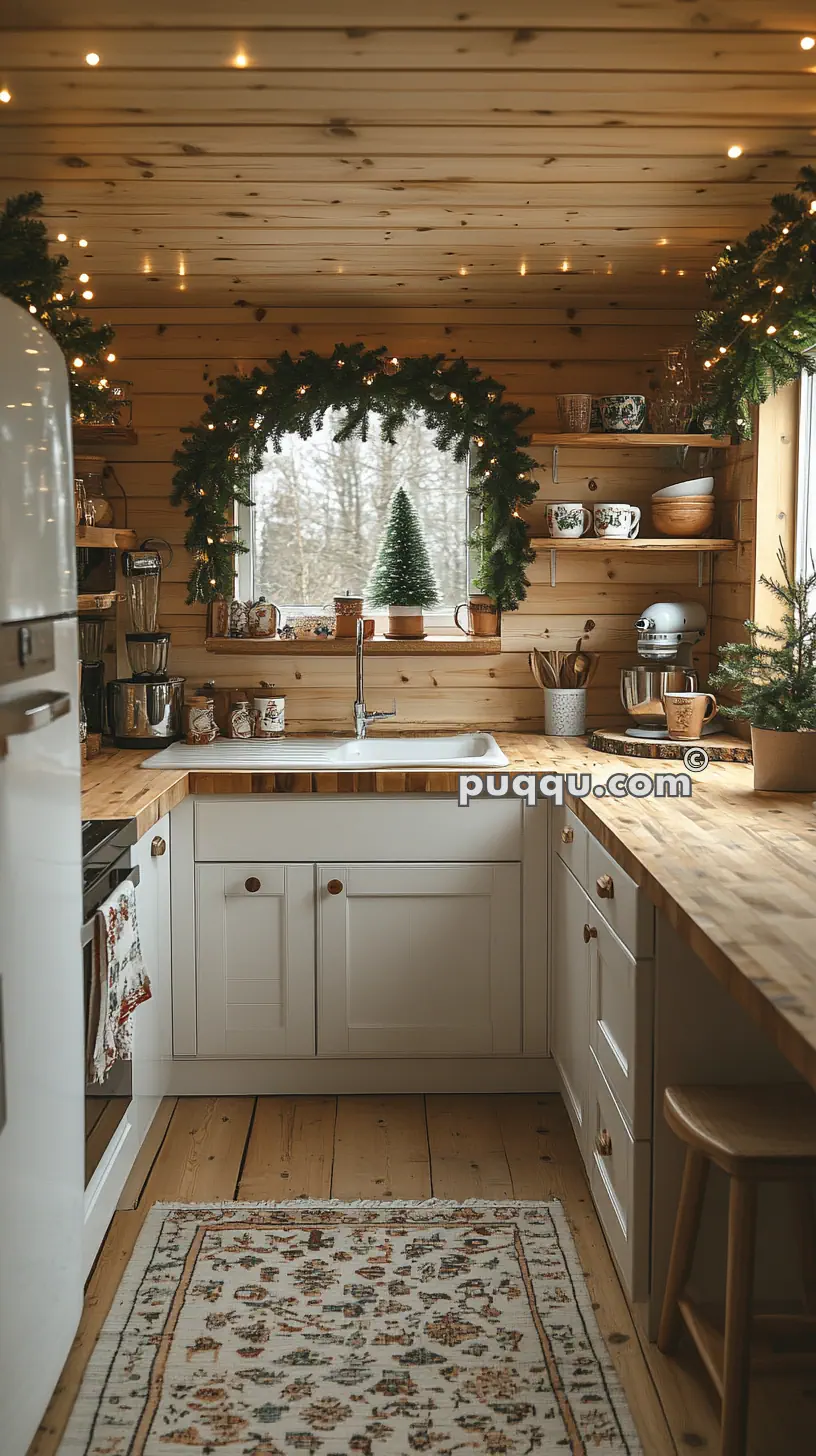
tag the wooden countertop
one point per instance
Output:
(733, 871)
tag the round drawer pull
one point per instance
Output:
(567, 836)
(603, 1143)
(605, 887)
(253, 884)
(158, 846)
(335, 887)
(590, 933)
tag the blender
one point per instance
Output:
(92, 680)
(145, 710)
(667, 632)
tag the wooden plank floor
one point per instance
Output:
(458, 1147)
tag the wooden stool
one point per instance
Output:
(754, 1134)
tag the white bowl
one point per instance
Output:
(704, 485)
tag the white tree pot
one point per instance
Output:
(405, 622)
(564, 712)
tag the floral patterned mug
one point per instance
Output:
(567, 518)
(616, 520)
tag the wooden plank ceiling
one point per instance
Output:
(360, 152)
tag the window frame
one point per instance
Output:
(806, 476)
(437, 623)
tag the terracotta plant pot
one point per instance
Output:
(686, 515)
(405, 622)
(784, 763)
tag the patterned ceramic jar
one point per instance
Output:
(568, 518)
(201, 726)
(240, 719)
(269, 716)
(262, 618)
(564, 712)
(623, 413)
(238, 619)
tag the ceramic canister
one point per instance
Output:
(269, 716)
(262, 618)
(201, 726)
(240, 719)
(238, 619)
(218, 614)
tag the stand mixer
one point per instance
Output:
(667, 632)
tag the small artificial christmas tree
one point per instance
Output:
(402, 577)
(30, 277)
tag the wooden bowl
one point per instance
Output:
(683, 516)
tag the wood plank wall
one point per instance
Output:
(172, 355)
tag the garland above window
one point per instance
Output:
(765, 320)
(248, 413)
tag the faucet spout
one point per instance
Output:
(362, 717)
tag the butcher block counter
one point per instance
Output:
(733, 871)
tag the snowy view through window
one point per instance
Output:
(320, 509)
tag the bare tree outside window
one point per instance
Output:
(321, 507)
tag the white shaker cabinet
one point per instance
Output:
(418, 959)
(255, 959)
(570, 988)
(152, 1021)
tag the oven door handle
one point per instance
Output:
(134, 874)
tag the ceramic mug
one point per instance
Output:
(483, 616)
(623, 414)
(568, 518)
(269, 716)
(618, 521)
(686, 713)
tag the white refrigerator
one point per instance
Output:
(41, 988)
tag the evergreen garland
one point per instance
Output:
(757, 339)
(34, 279)
(248, 413)
(775, 671)
(402, 574)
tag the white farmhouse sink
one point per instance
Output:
(303, 755)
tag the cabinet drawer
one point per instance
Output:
(571, 840)
(619, 1177)
(349, 826)
(620, 1023)
(629, 912)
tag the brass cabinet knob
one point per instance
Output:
(567, 836)
(605, 887)
(335, 887)
(603, 1143)
(158, 846)
(590, 933)
(253, 884)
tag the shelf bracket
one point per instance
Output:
(700, 560)
(553, 560)
(555, 469)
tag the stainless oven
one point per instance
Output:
(106, 862)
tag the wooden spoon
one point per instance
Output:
(542, 670)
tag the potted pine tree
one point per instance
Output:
(775, 675)
(402, 579)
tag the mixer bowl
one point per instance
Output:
(642, 689)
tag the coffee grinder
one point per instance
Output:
(145, 710)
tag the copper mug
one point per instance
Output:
(483, 617)
(686, 713)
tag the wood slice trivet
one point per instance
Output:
(720, 747)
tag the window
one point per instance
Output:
(320, 510)
(806, 492)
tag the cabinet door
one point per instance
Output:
(152, 1021)
(255, 960)
(569, 1034)
(620, 1023)
(419, 959)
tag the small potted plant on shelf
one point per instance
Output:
(775, 675)
(402, 578)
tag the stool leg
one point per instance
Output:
(806, 1219)
(695, 1176)
(742, 1208)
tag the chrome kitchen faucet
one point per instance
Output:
(361, 717)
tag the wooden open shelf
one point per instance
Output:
(97, 601)
(623, 441)
(114, 538)
(94, 435)
(345, 646)
(638, 543)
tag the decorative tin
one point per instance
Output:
(269, 716)
(238, 619)
(262, 618)
(240, 720)
(218, 612)
(200, 721)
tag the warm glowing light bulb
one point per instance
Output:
(807, 42)
(77, 362)
(111, 358)
(463, 272)
(5, 96)
(813, 206)
(62, 237)
(87, 294)
(662, 243)
(31, 308)
(84, 277)
(240, 60)
(771, 329)
(83, 243)
(565, 266)
(723, 349)
(92, 59)
(779, 288)
(523, 269)
(103, 383)
(734, 152)
(707, 363)
(681, 272)
(746, 318)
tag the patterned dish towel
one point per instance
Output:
(119, 982)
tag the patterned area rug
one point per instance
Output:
(246, 1329)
